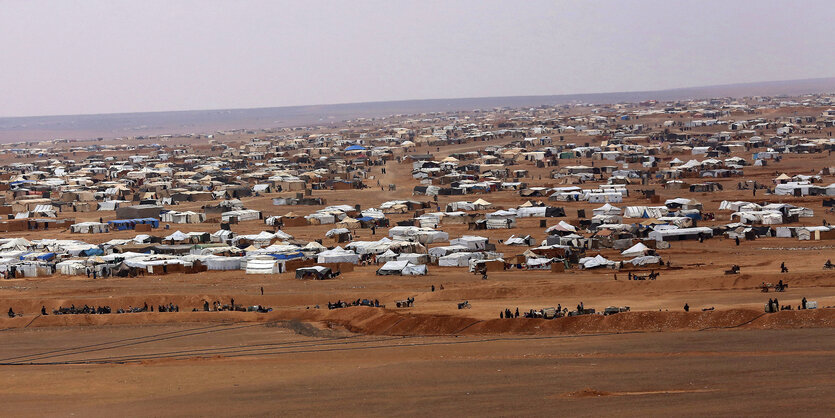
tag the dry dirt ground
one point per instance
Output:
(292, 369)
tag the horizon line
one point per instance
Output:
(423, 100)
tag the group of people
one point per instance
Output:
(94, 273)
(651, 276)
(359, 302)
(218, 306)
(10, 273)
(774, 306)
(100, 310)
(509, 314)
(84, 310)
(441, 287)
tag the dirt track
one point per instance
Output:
(258, 370)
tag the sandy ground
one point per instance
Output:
(290, 369)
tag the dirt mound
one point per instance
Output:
(383, 322)
(376, 321)
(586, 393)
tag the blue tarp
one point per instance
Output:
(92, 252)
(125, 224)
(365, 219)
(355, 148)
(286, 256)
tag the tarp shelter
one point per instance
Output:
(187, 217)
(126, 224)
(514, 240)
(314, 272)
(389, 255)
(178, 236)
(638, 249)
(71, 267)
(594, 262)
(471, 242)
(337, 255)
(215, 262)
(645, 260)
(402, 268)
(459, 259)
(262, 266)
(562, 228)
(679, 234)
(241, 215)
(607, 209)
(89, 228)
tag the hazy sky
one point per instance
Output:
(71, 57)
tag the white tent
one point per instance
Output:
(441, 251)
(337, 231)
(562, 226)
(387, 256)
(89, 228)
(177, 236)
(187, 217)
(460, 259)
(606, 209)
(635, 250)
(16, 244)
(262, 266)
(645, 260)
(71, 267)
(403, 268)
(481, 204)
(514, 240)
(471, 242)
(223, 263)
(338, 255)
(596, 261)
(414, 258)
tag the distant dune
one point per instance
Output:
(206, 121)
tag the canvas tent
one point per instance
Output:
(262, 266)
(337, 255)
(314, 272)
(402, 268)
